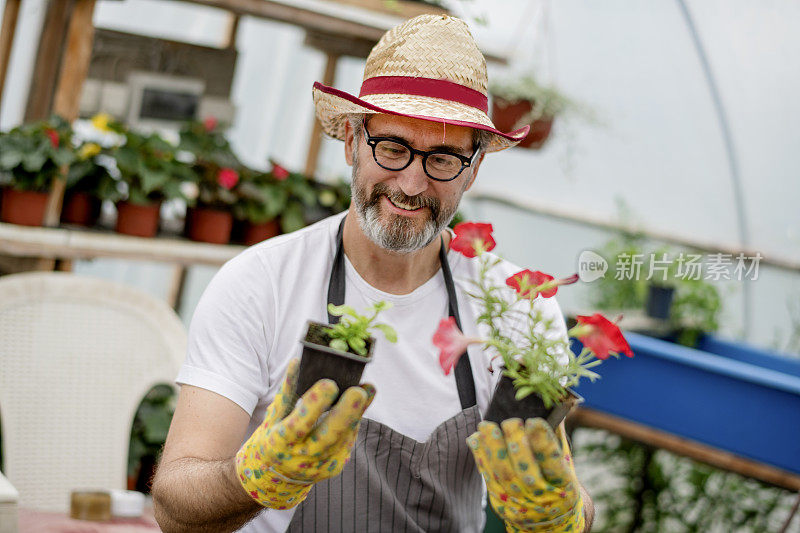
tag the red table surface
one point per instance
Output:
(44, 522)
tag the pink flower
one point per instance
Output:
(53, 136)
(470, 235)
(279, 172)
(602, 336)
(227, 177)
(526, 282)
(451, 343)
(210, 124)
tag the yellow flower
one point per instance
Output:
(89, 150)
(101, 120)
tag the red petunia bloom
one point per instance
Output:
(525, 281)
(53, 136)
(279, 172)
(603, 336)
(451, 343)
(227, 177)
(210, 124)
(471, 234)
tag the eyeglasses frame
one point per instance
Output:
(373, 142)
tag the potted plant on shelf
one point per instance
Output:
(538, 366)
(256, 214)
(341, 351)
(301, 197)
(695, 310)
(89, 182)
(216, 172)
(150, 174)
(32, 155)
(523, 101)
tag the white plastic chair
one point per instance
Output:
(77, 355)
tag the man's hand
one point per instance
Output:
(286, 455)
(530, 478)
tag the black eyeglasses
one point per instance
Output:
(395, 154)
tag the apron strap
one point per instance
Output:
(336, 290)
(336, 285)
(463, 370)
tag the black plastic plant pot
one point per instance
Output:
(504, 405)
(320, 361)
(659, 301)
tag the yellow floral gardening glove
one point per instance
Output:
(530, 478)
(287, 454)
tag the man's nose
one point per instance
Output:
(412, 180)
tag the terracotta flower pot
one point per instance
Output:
(138, 220)
(80, 208)
(205, 224)
(321, 361)
(247, 233)
(23, 207)
(504, 405)
(505, 116)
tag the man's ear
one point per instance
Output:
(475, 168)
(348, 143)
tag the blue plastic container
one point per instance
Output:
(727, 395)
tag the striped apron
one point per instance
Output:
(393, 482)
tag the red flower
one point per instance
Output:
(451, 343)
(470, 235)
(603, 336)
(210, 124)
(525, 282)
(279, 172)
(53, 135)
(227, 177)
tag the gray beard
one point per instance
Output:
(400, 234)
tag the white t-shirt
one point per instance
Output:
(252, 316)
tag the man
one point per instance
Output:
(237, 452)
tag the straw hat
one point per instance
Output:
(428, 67)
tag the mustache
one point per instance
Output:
(397, 196)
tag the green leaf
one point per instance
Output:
(358, 345)
(34, 161)
(338, 344)
(388, 332)
(153, 181)
(292, 218)
(10, 158)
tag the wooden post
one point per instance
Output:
(7, 31)
(233, 29)
(74, 67)
(176, 286)
(316, 134)
(48, 58)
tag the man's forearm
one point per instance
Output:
(193, 494)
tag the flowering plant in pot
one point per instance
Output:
(538, 366)
(150, 173)
(341, 351)
(262, 199)
(216, 172)
(301, 197)
(89, 182)
(522, 101)
(32, 155)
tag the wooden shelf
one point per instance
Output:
(71, 244)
